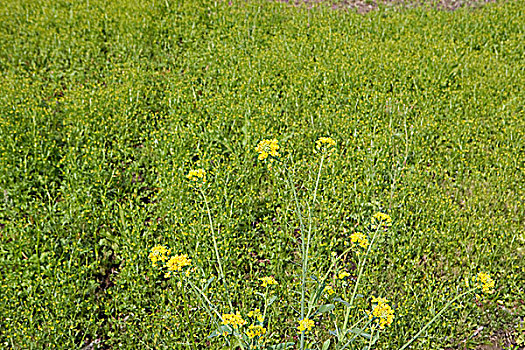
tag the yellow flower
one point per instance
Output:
(485, 282)
(234, 320)
(177, 262)
(197, 177)
(305, 325)
(158, 253)
(329, 290)
(359, 239)
(267, 148)
(266, 281)
(255, 331)
(325, 145)
(382, 312)
(256, 314)
(342, 275)
(381, 220)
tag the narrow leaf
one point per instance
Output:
(325, 308)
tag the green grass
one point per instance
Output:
(106, 106)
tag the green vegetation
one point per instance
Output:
(106, 106)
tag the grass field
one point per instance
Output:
(106, 107)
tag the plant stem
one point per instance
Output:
(361, 268)
(371, 338)
(221, 271)
(303, 250)
(435, 318)
(207, 306)
(186, 306)
(357, 334)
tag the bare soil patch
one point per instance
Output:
(364, 6)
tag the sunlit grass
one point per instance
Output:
(107, 107)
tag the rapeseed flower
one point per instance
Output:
(325, 145)
(255, 331)
(382, 313)
(177, 262)
(256, 314)
(342, 275)
(329, 290)
(267, 148)
(305, 325)
(158, 253)
(197, 177)
(485, 282)
(360, 239)
(233, 320)
(381, 220)
(266, 281)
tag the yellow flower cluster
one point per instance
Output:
(197, 176)
(381, 220)
(329, 290)
(342, 275)
(255, 331)
(359, 239)
(267, 148)
(177, 262)
(256, 314)
(266, 281)
(305, 325)
(485, 282)
(234, 320)
(382, 312)
(325, 144)
(158, 253)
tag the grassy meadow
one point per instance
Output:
(106, 107)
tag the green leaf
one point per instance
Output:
(272, 299)
(219, 331)
(325, 308)
(342, 301)
(360, 332)
(326, 345)
(280, 346)
(208, 283)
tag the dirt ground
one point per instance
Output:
(364, 6)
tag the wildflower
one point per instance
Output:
(234, 320)
(255, 331)
(266, 281)
(485, 282)
(342, 275)
(267, 148)
(177, 262)
(325, 145)
(382, 312)
(329, 290)
(381, 220)
(256, 314)
(158, 253)
(305, 325)
(197, 176)
(359, 239)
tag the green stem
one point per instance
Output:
(435, 318)
(361, 268)
(221, 271)
(207, 306)
(186, 306)
(357, 334)
(303, 250)
(371, 338)
(265, 303)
